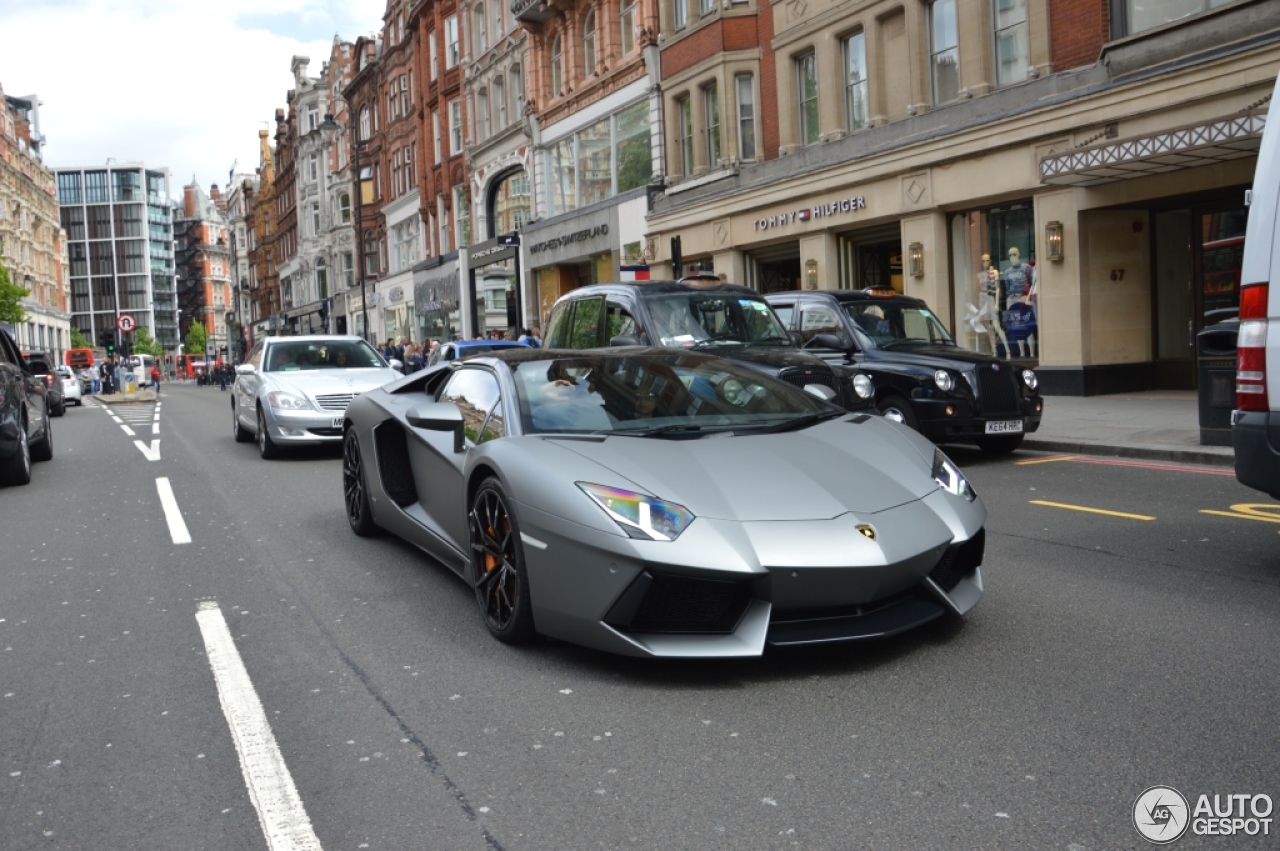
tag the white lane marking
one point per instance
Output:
(117, 419)
(280, 811)
(155, 429)
(172, 514)
(128, 430)
(108, 410)
(152, 453)
(156, 417)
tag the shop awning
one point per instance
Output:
(1231, 138)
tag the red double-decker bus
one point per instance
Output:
(190, 366)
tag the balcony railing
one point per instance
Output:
(534, 11)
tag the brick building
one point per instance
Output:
(32, 242)
(202, 249)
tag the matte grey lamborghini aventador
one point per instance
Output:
(663, 503)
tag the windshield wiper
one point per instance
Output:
(673, 428)
(913, 340)
(802, 421)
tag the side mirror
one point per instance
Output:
(439, 416)
(396, 364)
(830, 341)
(245, 369)
(624, 340)
(822, 391)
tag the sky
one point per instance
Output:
(178, 84)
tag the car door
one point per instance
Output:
(437, 469)
(26, 390)
(819, 316)
(619, 321)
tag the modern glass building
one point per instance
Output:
(119, 224)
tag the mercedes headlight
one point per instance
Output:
(863, 387)
(1029, 377)
(943, 379)
(640, 516)
(949, 477)
(288, 402)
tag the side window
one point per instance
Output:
(6, 356)
(475, 392)
(255, 357)
(618, 322)
(586, 323)
(784, 312)
(817, 319)
(558, 327)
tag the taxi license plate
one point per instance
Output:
(337, 423)
(1004, 427)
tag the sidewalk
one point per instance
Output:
(1158, 424)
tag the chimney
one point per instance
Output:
(214, 193)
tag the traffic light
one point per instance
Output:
(111, 348)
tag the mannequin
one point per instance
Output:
(988, 301)
(1019, 314)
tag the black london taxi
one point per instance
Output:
(921, 377)
(702, 313)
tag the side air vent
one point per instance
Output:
(392, 446)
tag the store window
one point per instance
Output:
(1134, 16)
(854, 49)
(746, 99)
(995, 283)
(807, 97)
(711, 121)
(599, 161)
(684, 134)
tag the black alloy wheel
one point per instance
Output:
(267, 447)
(16, 469)
(354, 491)
(239, 432)
(497, 561)
(1000, 444)
(896, 408)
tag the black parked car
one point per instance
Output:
(922, 378)
(701, 313)
(42, 366)
(24, 420)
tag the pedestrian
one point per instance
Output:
(155, 377)
(223, 369)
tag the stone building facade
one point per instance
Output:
(32, 242)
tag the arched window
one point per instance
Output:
(517, 91)
(499, 104)
(557, 65)
(627, 20)
(589, 43)
(482, 114)
(481, 29)
(344, 207)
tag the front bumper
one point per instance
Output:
(727, 588)
(1255, 436)
(303, 428)
(949, 420)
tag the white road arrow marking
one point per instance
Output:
(152, 454)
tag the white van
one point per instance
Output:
(1255, 424)
(141, 365)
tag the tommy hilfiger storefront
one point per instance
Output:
(1094, 257)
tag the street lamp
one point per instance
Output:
(330, 126)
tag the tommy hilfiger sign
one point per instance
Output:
(844, 205)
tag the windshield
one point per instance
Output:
(343, 354)
(605, 394)
(888, 323)
(693, 319)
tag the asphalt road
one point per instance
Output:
(1110, 654)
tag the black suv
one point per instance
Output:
(922, 378)
(42, 367)
(24, 420)
(700, 313)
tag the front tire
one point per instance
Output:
(267, 447)
(1001, 444)
(497, 565)
(16, 470)
(239, 432)
(354, 490)
(896, 408)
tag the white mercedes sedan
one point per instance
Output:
(293, 391)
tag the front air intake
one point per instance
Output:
(959, 561)
(680, 604)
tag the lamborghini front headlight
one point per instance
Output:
(640, 516)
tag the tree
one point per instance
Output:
(78, 340)
(11, 295)
(145, 344)
(197, 339)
